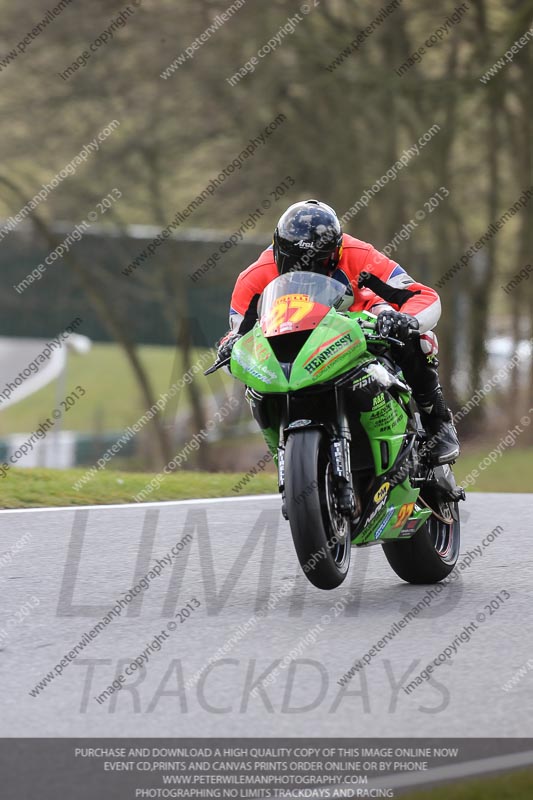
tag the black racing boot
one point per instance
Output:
(443, 445)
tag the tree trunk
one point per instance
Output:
(116, 327)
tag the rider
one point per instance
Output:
(309, 237)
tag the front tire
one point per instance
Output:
(431, 554)
(321, 535)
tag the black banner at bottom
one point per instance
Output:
(127, 769)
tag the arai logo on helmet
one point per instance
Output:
(301, 243)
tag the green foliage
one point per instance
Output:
(514, 786)
(344, 130)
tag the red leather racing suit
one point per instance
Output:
(356, 257)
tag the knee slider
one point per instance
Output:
(429, 343)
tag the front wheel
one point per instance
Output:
(321, 535)
(431, 554)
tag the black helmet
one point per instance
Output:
(308, 237)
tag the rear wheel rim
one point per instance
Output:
(443, 535)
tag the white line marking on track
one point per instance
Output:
(163, 503)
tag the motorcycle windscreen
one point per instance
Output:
(292, 312)
(297, 302)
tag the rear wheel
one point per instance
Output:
(431, 554)
(321, 535)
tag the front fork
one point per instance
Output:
(348, 503)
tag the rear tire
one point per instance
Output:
(431, 554)
(321, 536)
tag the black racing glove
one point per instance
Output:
(395, 324)
(226, 345)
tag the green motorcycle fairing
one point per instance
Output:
(336, 345)
(333, 347)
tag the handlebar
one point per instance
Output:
(217, 365)
(390, 339)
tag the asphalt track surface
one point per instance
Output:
(238, 554)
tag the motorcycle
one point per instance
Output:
(353, 458)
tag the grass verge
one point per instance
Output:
(512, 786)
(512, 472)
(30, 488)
(112, 400)
(27, 488)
